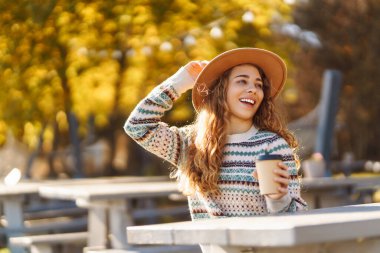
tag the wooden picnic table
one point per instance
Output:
(347, 229)
(13, 197)
(324, 192)
(108, 211)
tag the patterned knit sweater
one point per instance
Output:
(240, 194)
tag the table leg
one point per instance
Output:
(107, 217)
(119, 219)
(13, 213)
(97, 223)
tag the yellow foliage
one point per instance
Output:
(131, 91)
(7, 73)
(118, 9)
(2, 139)
(101, 120)
(63, 19)
(76, 47)
(48, 137)
(62, 122)
(185, 5)
(48, 31)
(125, 19)
(265, 32)
(110, 26)
(31, 132)
(181, 113)
(15, 28)
(93, 91)
(261, 21)
(16, 94)
(3, 127)
(90, 14)
(3, 132)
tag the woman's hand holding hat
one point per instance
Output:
(184, 78)
(195, 67)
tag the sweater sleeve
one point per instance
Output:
(144, 123)
(292, 202)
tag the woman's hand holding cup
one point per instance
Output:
(281, 178)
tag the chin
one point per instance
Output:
(246, 117)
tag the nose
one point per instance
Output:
(251, 88)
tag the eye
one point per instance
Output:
(259, 85)
(242, 81)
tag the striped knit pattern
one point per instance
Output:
(240, 194)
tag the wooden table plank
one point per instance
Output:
(284, 230)
(106, 191)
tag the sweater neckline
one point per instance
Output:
(233, 138)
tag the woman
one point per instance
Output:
(236, 122)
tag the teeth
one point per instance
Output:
(247, 101)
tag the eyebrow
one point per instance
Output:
(246, 76)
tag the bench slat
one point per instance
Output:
(69, 212)
(27, 241)
(57, 225)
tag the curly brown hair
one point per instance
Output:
(208, 136)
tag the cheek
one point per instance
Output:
(260, 95)
(229, 101)
(229, 95)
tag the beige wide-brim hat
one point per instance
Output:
(272, 64)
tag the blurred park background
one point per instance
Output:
(72, 71)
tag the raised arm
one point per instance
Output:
(144, 123)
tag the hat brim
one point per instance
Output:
(272, 65)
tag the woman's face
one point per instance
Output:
(244, 93)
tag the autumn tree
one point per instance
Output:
(65, 62)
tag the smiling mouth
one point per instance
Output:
(247, 101)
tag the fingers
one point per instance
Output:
(255, 175)
(282, 177)
(282, 189)
(282, 166)
(195, 67)
(282, 170)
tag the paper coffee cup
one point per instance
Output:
(265, 165)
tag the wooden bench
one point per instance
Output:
(51, 225)
(37, 214)
(46, 243)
